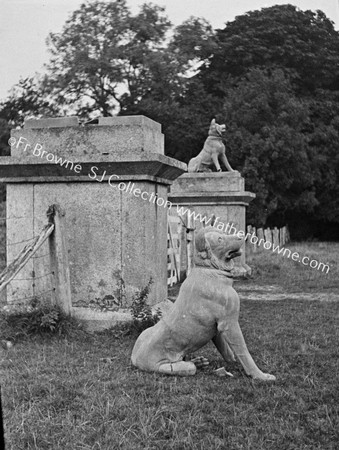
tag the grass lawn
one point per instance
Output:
(271, 268)
(58, 393)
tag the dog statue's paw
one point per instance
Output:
(200, 362)
(264, 377)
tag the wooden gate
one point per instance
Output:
(174, 229)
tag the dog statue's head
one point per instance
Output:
(216, 249)
(216, 129)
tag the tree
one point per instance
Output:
(26, 99)
(266, 142)
(194, 43)
(101, 53)
(278, 71)
(108, 61)
(304, 44)
(185, 119)
(105, 59)
(323, 145)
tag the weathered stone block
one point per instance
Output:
(122, 137)
(116, 221)
(208, 182)
(221, 195)
(58, 122)
(19, 232)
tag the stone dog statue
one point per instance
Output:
(207, 308)
(213, 150)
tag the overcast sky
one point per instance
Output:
(25, 24)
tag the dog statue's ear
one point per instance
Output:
(200, 241)
(213, 122)
(202, 246)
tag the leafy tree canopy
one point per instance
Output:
(302, 43)
(267, 143)
(277, 71)
(114, 59)
(26, 100)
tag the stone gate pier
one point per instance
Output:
(218, 194)
(111, 180)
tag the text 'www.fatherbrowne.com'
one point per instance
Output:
(95, 175)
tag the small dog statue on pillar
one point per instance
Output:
(213, 150)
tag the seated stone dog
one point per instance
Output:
(207, 308)
(213, 149)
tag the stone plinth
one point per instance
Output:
(111, 180)
(220, 194)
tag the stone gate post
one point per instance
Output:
(111, 180)
(218, 194)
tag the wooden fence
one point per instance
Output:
(53, 231)
(275, 236)
(174, 228)
(180, 245)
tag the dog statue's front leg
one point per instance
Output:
(237, 343)
(216, 162)
(224, 160)
(223, 348)
(234, 338)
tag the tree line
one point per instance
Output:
(271, 75)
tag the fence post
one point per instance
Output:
(59, 259)
(287, 234)
(281, 237)
(172, 252)
(190, 244)
(254, 246)
(268, 235)
(260, 235)
(248, 246)
(275, 235)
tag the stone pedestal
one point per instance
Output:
(221, 194)
(111, 180)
